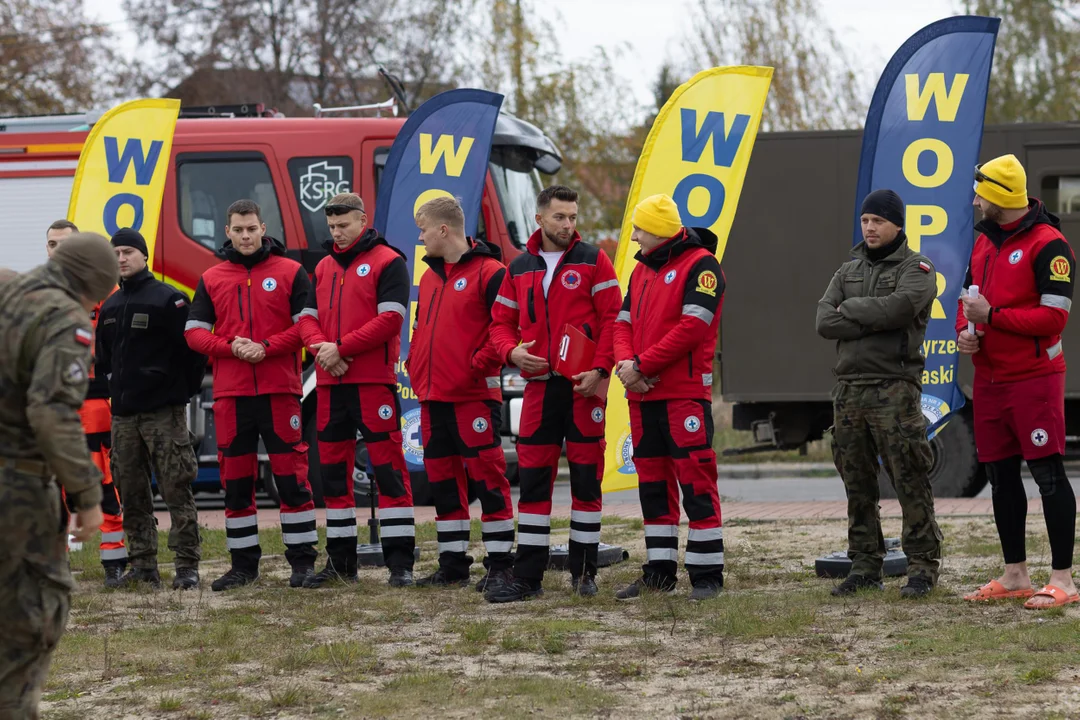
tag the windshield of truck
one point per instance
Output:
(518, 184)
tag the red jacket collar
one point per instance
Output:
(534, 245)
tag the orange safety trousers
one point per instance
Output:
(96, 416)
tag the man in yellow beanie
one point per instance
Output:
(1025, 271)
(665, 336)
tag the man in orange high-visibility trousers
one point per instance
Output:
(96, 416)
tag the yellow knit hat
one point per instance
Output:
(992, 179)
(658, 215)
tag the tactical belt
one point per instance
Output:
(28, 467)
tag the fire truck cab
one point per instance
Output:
(291, 167)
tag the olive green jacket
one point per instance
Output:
(45, 340)
(877, 312)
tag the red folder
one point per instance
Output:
(575, 352)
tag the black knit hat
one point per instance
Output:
(886, 204)
(126, 237)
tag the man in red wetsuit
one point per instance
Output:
(244, 316)
(1025, 271)
(456, 374)
(665, 337)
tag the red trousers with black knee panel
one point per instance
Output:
(673, 450)
(552, 412)
(374, 411)
(239, 423)
(96, 416)
(461, 443)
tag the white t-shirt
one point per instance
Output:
(552, 259)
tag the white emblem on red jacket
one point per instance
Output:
(571, 279)
(294, 422)
(1039, 437)
(1015, 256)
(363, 270)
(460, 284)
(480, 425)
(269, 284)
(670, 277)
(386, 412)
(692, 424)
(598, 414)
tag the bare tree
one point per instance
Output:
(50, 58)
(325, 50)
(1036, 60)
(814, 85)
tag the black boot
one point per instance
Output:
(149, 576)
(234, 578)
(854, 583)
(584, 585)
(515, 590)
(187, 578)
(330, 574)
(300, 575)
(114, 576)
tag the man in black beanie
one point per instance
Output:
(152, 375)
(876, 308)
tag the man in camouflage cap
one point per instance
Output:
(876, 308)
(45, 340)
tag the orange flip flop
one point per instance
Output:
(994, 590)
(1052, 591)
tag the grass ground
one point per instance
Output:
(775, 645)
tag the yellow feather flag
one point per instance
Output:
(120, 180)
(697, 153)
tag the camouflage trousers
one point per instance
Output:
(160, 441)
(35, 586)
(885, 419)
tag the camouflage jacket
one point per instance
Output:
(45, 341)
(877, 312)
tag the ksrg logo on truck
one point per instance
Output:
(320, 182)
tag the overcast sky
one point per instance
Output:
(654, 29)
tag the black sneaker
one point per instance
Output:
(400, 577)
(514, 590)
(917, 586)
(300, 575)
(585, 585)
(441, 578)
(635, 589)
(233, 579)
(114, 576)
(187, 578)
(328, 575)
(494, 578)
(854, 583)
(705, 590)
(134, 576)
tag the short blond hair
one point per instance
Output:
(443, 211)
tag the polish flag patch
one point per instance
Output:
(924, 266)
(84, 337)
(180, 303)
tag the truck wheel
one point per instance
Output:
(956, 471)
(314, 477)
(269, 485)
(512, 474)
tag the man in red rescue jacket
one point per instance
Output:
(456, 375)
(353, 325)
(665, 337)
(244, 316)
(1025, 271)
(558, 281)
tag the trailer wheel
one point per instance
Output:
(956, 471)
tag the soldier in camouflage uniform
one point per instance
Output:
(876, 308)
(45, 340)
(152, 375)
